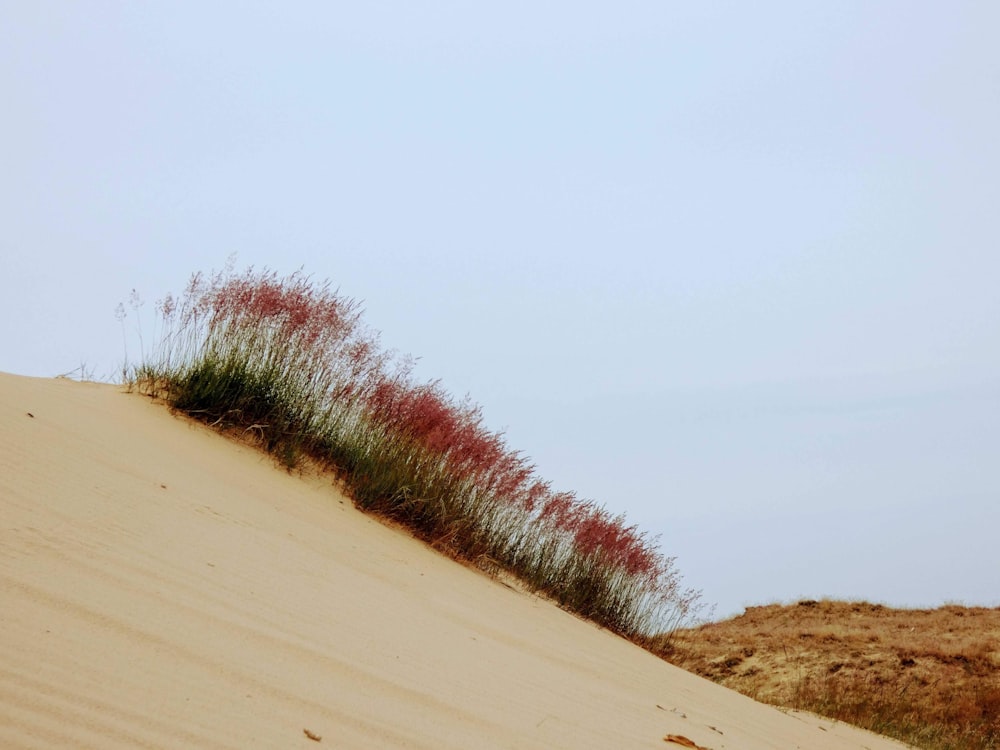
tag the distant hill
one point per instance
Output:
(927, 677)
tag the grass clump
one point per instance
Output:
(291, 363)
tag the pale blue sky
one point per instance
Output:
(729, 267)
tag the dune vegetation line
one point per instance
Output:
(290, 363)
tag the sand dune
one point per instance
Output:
(164, 587)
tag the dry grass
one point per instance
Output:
(928, 677)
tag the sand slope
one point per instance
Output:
(164, 587)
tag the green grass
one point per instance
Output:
(291, 364)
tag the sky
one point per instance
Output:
(729, 268)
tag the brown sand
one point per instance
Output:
(164, 587)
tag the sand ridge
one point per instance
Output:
(162, 586)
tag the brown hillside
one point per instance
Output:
(928, 677)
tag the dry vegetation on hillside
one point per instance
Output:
(928, 677)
